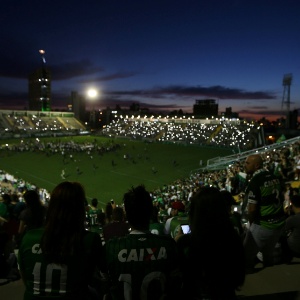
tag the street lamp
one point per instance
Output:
(92, 96)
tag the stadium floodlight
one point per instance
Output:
(287, 79)
(92, 95)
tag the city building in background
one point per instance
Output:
(39, 87)
(78, 106)
(39, 90)
(229, 113)
(206, 108)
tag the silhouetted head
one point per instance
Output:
(138, 207)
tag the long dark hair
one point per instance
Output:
(64, 228)
(34, 204)
(208, 212)
(215, 245)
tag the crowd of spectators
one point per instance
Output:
(282, 161)
(29, 124)
(65, 149)
(170, 200)
(240, 135)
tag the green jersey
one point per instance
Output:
(265, 191)
(48, 281)
(157, 228)
(3, 211)
(278, 170)
(163, 216)
(92, 217)
(139, 261)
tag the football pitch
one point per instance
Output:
(109, 175)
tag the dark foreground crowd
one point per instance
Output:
(69, 249)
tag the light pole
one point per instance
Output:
(92, 97)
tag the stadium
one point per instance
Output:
(194, 144)
(125, 182)
(37, 146)
(170, 157)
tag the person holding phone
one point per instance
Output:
(185, 228)
(178, 217)
(212, 247)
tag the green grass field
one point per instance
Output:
(106, 181)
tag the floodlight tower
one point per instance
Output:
(42, 52)
(44, 84)
(286, 82)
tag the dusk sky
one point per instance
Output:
(161, 54)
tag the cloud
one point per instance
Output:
(258, 107)
(262, 112)
(64, 71)
(112, 102)
(14, 101)
(162, 98)
(17, 61)
(185, 92)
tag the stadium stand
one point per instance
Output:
(278, 282)
(223, 133)
(30, 123)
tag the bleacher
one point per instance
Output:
(220, 133)
(278, 282)
(28, 123)
(218, 163)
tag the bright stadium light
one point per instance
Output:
(92, 95)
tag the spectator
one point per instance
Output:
(296, 170)
(288, 191)
(17, 206)
(93, 212)
(33, 216)
(12, 224)
(141, 264)
(117, 227)
(8, 260)
(278, 169)
(213, 248)
(264, 200)
(235, 217)
(162, 212)
(178, 217)
(108, 211)
(94, 206)
(101, 224)
(59, 260)
(4, 206)
(291, 244)
(156, 227)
